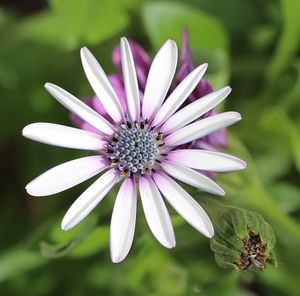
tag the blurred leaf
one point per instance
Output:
(92, 21)
(289, 39)
(171, 279)
(207, 37)
(70, 24)
(95, 242)
(265, 161)
(164, 21)
(289, 87)
(282, 128)
(46, 28)
(64, 248)
(18, 261)
(286, 195)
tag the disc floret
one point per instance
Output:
(134, 148)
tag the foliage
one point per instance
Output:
(251, 45)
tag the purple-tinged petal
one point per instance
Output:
(159, 79)
(201, 128)
(186, 66)
(101, 85)
(123, 218)
(130, 81)
(64, 136)
(83, 111)
(179, 95)
(117, 82)
(89, 199)
(96, 105)
(191, 177)
(156, 212)
(67, 175)
(184, 204)
(207, 160)
(141, 60)
(194, 110)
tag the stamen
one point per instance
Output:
(114, 139)
(159, 137)
(129, 124)
(124, 172)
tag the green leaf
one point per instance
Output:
(282, 128)
(286, 195)
(289, 39)
(70, 24)
(17, 261)
(63, 247)
(164, 20)
(92, 21)
(96, 241)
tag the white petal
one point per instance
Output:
(89, 199)
(156, 213)
(101, 85)
(80, 109)
(191, 177)
(123, 221)
(64, 136)
(179, 95)
(130, 81)
(159, 79)
(184, 204)
(194, 110)
(67, 175)
(207, 160)
(202, 128)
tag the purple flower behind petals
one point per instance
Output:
(219, 138)
(187, 66)
(142, 64)
(141, 59)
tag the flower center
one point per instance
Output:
(134, 148)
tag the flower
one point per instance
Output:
(243, 239)
(142, 64)
(138, 143)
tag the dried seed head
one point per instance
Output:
(243, 239)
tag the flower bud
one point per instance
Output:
(243, 239)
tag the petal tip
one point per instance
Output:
(211, 234)
(227, 89)
(243, 164)
(29, 189)
(24, 131)
(222, 192)
(65, 226)
(117, 259)
(48, 85)
(170, 245)
(171, 43)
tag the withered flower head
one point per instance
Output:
(243, 239)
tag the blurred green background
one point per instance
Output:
(253, 45)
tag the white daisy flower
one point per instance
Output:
(141, 148)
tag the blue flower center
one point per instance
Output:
(134, 148)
